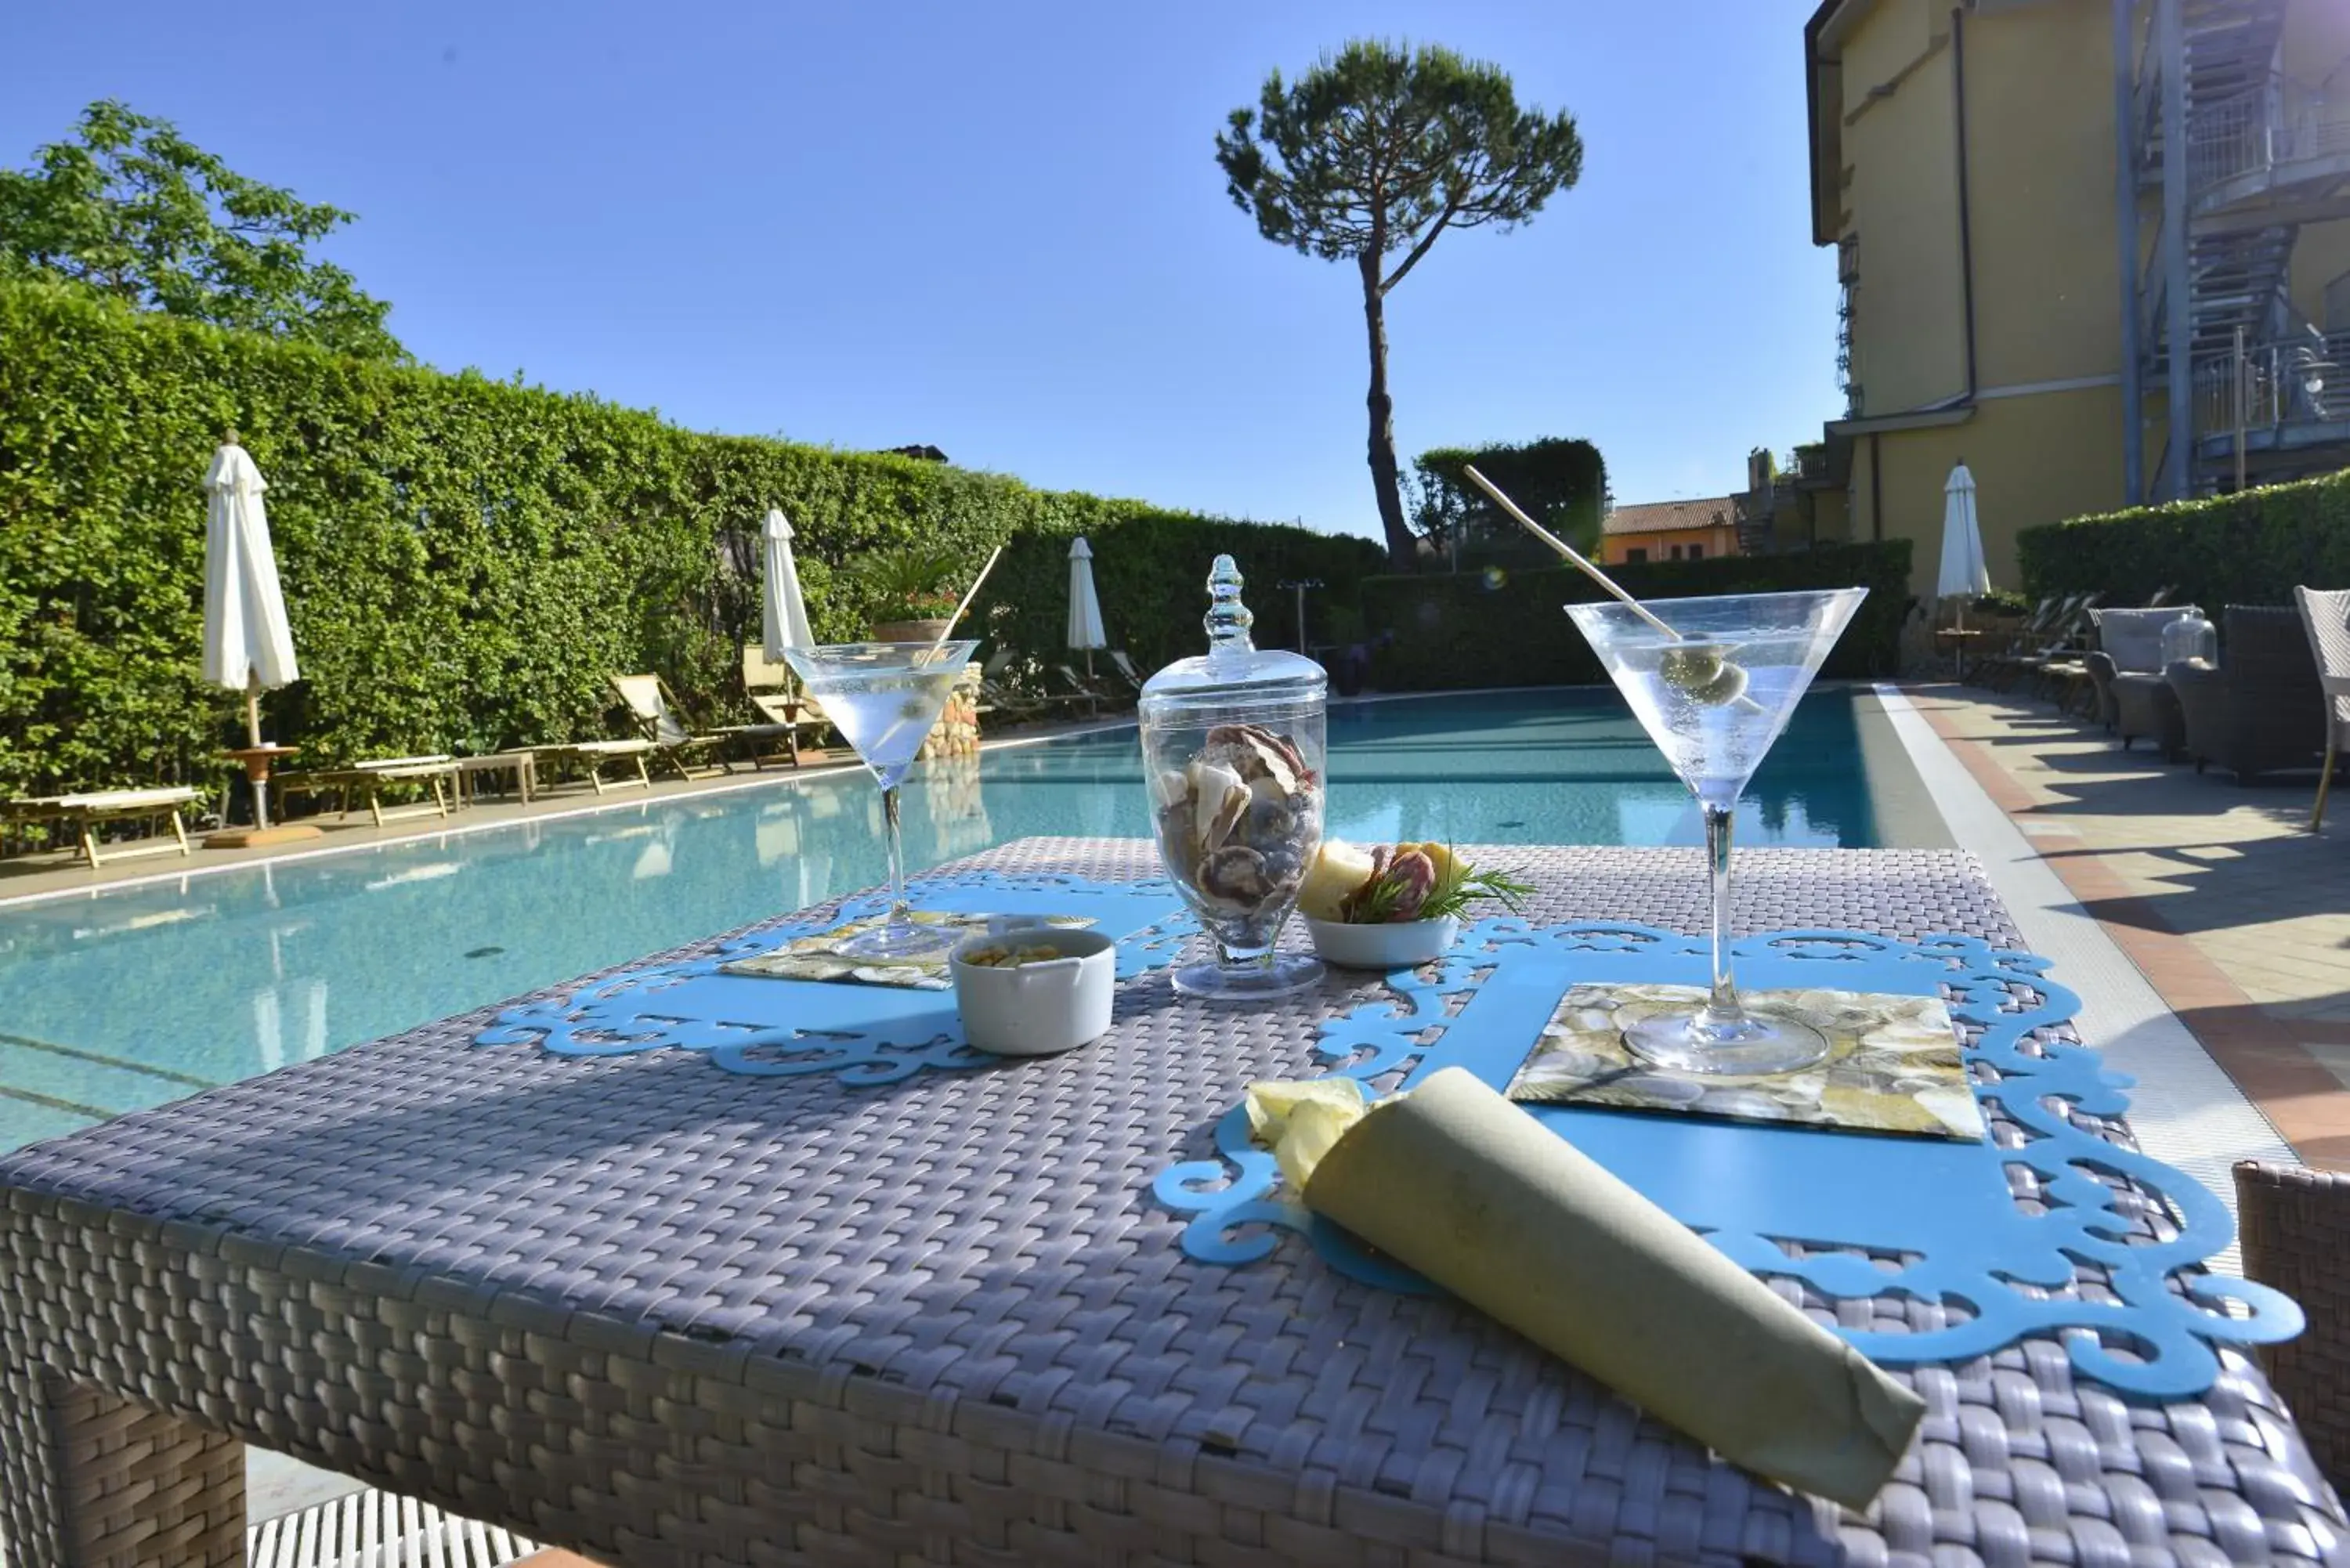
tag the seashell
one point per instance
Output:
(1234, 873)
(1170, 785)
(1660, 1090)
(1747, 1103)
(1218, 798)
(1256, 753)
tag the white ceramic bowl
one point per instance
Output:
(1395, 945)
(1036, 1009)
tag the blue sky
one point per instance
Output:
(999, 228)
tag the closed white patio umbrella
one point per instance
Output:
(1086, 631)
(1963, 574)
(248, 641)
(784, 623)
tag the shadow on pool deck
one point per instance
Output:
(2236, 913)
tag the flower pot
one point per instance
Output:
(927, 630)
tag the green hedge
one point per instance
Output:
(1506, 628)
(2252, 548)
(466, 560)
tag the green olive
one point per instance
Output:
(1702, 672)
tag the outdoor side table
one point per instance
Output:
(521, 764)
(672, 1316)
(256, 761)
(1964, 644)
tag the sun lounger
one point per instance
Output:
(1092, 695)
(1124, 665)
(648, 697)
(998, 695)
(595, 756)
(83, 815)
(783, 708)
(367, 779)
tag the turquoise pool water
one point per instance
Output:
(127, 997)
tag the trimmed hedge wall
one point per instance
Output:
(2252, 548)
(466, 560)
(1505, 628)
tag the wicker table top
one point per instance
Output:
(674, 1315)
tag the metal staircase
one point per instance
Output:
(2260, 161)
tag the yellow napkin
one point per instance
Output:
(1459, 1184)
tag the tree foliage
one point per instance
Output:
(2251, 548)
(1377, 151)
(131, 208)
(466, 560)
(1560, 480)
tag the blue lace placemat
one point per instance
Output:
(865, 1033)
(2000, 1233)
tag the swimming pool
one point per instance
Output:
(132, 997)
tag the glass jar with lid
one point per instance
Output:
(2189, 639)
(1232, 755)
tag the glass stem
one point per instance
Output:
(1721, 1007)
(898, 918)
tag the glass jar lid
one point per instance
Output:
(1234, 669)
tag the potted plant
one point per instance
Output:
(915, 598)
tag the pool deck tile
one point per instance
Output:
(2236, 914)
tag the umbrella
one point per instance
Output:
(784, 622)
(248, 645)
(1084, 606)
(1963, 573)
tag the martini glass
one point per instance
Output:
(1713, 698)
(884, 697)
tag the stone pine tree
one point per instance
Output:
(132, 209)
(1379, 149)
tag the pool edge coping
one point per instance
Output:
(761, 780)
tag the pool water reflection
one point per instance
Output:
(129, 998)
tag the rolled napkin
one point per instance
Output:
(1455, 1182)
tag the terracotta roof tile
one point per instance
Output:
(1662, 517)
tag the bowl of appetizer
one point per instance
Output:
(1035, 991)
(1395, 906)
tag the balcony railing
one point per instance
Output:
(2256, 132)
(2305, 381)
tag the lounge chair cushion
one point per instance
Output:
(2133, 637)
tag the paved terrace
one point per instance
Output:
(2236, 913)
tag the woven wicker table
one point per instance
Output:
(669, 1314)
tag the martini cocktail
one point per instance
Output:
(1713, 693)
(884, 697)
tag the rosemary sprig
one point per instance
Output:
(1458, 886)
(1465, 885)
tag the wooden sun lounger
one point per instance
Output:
(367, 779)
(85, 813)
(593, 756)
(649, 703)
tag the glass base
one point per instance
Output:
(1279, 974)
(898, 941)
(1753, 1045)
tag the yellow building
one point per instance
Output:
(1671, 531)
(2027, 269)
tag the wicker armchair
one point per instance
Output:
(2132, 697)
(2326, 617)
(2295, 1225)
(2259, 710)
